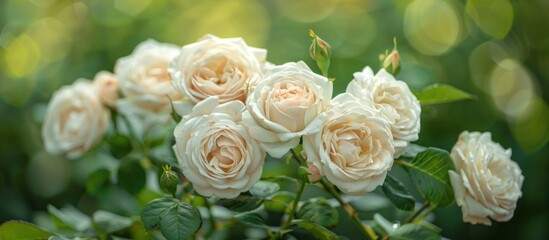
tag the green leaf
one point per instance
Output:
(150, 215)
(319, 232)
(441, 93)
(180, 221)
(109, 222)
(242, 203)
(264, 189)
(119, 201)
(23, 231)
(251, 219)
(279, 201)
(131, 176)
(176, 219)
(69, 218)
(119, 145)
(319, 211)
(98, 181)
(429, 173)
(398, 194)
(413, 232)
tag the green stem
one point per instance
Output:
(211, 219)
(288, 222)
(425, 214)
(416, 213)
(296, 156)
(349, 210)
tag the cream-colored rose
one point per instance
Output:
(394, 100)
(486, 181)
(213, 66)
(354, 148)
(144, 78)
(106, 85)
(75, 120)
(215, 151)
(286, 105)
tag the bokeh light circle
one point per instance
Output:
(432, 26)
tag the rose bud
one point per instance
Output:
(321, 52)
(168, 180)
(391, 61)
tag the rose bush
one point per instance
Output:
(75, 120)
(354, 147)
(394, 100)
(231, 107)
(486, 181)
(287, 104)
(215, 152)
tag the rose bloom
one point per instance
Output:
(286, 105)
(144, 77)
(213, 66)
(75, 120)
(486, 181)
(394, 100)
(106, 85)
(354, 148)
(215, 151)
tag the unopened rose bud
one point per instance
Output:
(314, 173)
(168, 180)
(321, 52)
(391, 61)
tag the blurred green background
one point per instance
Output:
(496, 49)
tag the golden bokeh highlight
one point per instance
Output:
(511, 87)
(247, 19)
(21, 56)
(301, 11)
(530, 128)
(131, 7)
(493, 17)
(433, 27)
(351, 30)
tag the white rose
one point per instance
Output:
(286, 105)
(106, 85)
(215, 152)
(354, 148)
(213, 66)
(486, 182)
(75, 120)
(394, 100)
(144, 77)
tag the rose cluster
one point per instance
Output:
(236, 107)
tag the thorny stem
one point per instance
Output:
(288, 222)
(365, 229)
(349, 210)
(296, 156)
(416, 213)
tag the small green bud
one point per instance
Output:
(321, 52)
(168, 180)
(391, 61)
